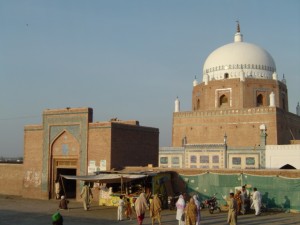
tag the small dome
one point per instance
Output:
(239, 58)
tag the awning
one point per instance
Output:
(106, 177)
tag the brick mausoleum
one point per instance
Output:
(239, 107)
(68, 142)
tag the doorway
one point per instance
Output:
(68, 186)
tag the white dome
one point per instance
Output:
(239, 59)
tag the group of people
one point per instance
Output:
(63, 203)
(188, 214)
(242, 198)
(239, 203)
(86, 195)
(124, 208)
(140, 207)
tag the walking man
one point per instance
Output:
(232, 210)
(85, 194)
(155, 209)
(256, 201)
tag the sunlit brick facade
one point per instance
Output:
(68, 142)
(239, 107)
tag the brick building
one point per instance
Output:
(68, 142)
(239, 107)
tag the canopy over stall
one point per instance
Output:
(113, 184)
(106, 177)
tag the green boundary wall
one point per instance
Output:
(277, 192)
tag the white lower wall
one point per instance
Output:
(280, 155)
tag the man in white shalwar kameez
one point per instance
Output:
(256, 201)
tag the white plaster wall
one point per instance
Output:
(280, 155)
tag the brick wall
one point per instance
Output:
(99, 143)
(239, 117)
(68, 139)
(239, 94)
(122, 143)
(33, 155)
(240, 125)
(11, 179)
(288, 127)
(134, 145)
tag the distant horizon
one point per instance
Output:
(128, 60)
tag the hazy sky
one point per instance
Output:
(127, 59)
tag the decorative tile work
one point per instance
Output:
(54, 124)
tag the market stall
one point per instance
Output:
(130, 185)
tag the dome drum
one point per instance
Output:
(236, 70)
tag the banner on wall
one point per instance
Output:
(103, 165)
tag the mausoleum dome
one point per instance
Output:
(239, 59)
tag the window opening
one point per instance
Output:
(259, 100)
(215, 159)
(250, 161)
(204, 159)
(223, 100)
(175, 160)
(236, 160)
(164, 160)
(193, 159)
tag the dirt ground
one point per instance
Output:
(19, 211)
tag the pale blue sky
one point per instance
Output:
(127, 59)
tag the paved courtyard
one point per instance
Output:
(19, 211)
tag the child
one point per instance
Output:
(128, 210)
(121, 208)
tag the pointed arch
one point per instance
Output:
(223, 100)
(64, 144)
(64, 156)
(259, 100)
(198, 104)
